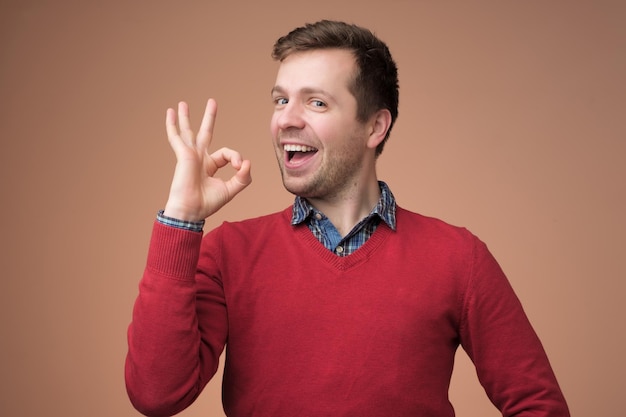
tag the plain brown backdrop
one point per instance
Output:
(512, 123)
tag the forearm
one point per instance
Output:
(510, 360)
(165, 369)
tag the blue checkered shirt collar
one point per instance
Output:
(385, 208)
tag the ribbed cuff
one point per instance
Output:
(174, 252)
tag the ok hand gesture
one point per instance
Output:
(195, 193)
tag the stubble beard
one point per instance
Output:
(336, 176)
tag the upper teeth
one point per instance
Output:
(298, 148)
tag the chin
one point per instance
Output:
(298, 188)
(293, 188)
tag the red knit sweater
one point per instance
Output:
(309, 333)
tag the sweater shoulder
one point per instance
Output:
(432, 227)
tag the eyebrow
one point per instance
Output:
(276, 89)
(306, 90)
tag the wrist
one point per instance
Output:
(182, 213)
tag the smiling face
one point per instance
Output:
(320, 146)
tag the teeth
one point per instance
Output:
(298, 148)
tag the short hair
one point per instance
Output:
(375, 85)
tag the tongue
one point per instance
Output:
(300, 156)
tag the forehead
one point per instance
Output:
(328, 69)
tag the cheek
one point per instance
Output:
(328, 130)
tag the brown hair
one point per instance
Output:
(375, 84)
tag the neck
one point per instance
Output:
(349, 208)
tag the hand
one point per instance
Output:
(195, 193)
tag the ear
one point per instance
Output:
(379, 125)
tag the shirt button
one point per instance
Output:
(339, 249)
(318, 216)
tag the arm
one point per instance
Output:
(169, 359)
(510, 361)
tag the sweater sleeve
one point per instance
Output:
(510, 361)
(170, 359)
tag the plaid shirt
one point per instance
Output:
(328, 235)
(321, 226)
(180, 224)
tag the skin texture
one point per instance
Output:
(314, 108)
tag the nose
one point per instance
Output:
(289, 116)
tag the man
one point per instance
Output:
(344, 304)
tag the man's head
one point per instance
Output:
(375, 83)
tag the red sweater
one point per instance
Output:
(309, 333)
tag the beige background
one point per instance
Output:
(511, 124)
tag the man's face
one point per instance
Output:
(319, 144)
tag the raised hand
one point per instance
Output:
(195, 193)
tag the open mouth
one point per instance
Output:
(297, 152)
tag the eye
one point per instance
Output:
(281, 101)
(318, 103)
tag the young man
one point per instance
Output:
(344, 304)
